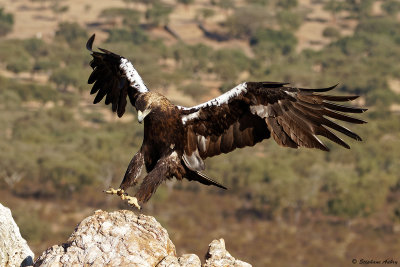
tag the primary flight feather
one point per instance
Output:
(177, 139)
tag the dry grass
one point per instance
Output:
(33, 19)
(394, 85)
(310, 32)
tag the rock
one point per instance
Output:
(186, 260)
(122, 238)
(189, 260)
(217, 255)
(14, 250)
(169, 261)
(119, 238)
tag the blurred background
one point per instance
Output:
(284, 207)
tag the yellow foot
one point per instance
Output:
(132, 201)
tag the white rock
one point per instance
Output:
(218, 256)
(189, 260)
(122, 238)
(119, 238)
(186, 260)
(14, 251)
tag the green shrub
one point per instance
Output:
(36, 47)
(258, 2)
(379, 26)
(229, 63)
(331, 32)
(45, 64)
(6, 22)
(246, 21)
(391, 7)
(226, 4)
(334, 6)
(270, 41)
(288, 4)
(72, 33)
(193, 58)
(360, 9)
(289, 20)
(15, 56)
(158, 14)
(131, 18)
(136, 36)
(186, 2)
(71, 75)
(206, 13)
(18, 65)
(33, 91)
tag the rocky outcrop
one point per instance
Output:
(119, 238)
(187, 260)
(14, 251)
(122, 238)
(217, 255)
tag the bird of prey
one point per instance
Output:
(178, 139)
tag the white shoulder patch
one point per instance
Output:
(222, 99)
(190, 116)
(132, 75)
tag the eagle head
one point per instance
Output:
(149, 102)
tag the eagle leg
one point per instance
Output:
(166, 168)
(133, 171)
(132, 201)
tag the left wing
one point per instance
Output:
(115, 78)
(253, 111)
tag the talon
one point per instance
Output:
(132, 201)
(111, 191)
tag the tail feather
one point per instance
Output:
(202, 178)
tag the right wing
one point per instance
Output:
(114, 77)
(254, 111)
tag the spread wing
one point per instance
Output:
(253, 111)
(115, 78)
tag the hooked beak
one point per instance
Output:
(142, 115)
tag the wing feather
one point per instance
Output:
(337, 98)
(122, 103)
(302, 129)
(343, 108)
(254, 111)
(115, 78)
(342, 117)
(318, 89)
(102, 92)
(96, 87)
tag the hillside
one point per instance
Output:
(317, 209)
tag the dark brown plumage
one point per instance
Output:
(177, 139)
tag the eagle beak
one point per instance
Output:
(142, 115)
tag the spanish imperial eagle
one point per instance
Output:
(177, 139)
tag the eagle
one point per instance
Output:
(178, 139)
